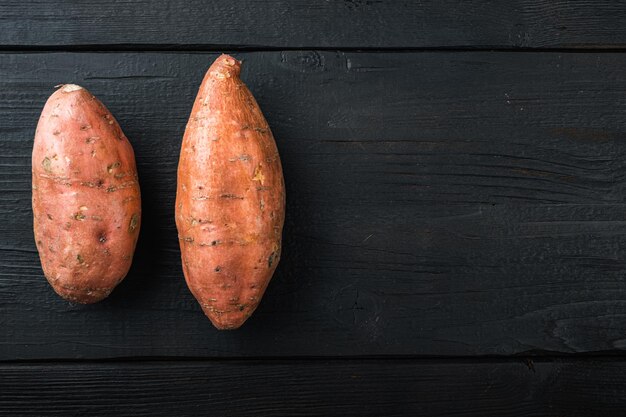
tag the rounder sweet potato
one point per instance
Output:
(86, 200)
(230, 200)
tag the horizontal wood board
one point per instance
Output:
(438, 204)
(314, 388)
(190, 24)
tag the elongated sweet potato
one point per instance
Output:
(86, 201)
(230, 201)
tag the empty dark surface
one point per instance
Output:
(456, 210)
(190, 24)
(513, 388)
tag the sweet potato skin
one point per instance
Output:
(86, 199)
(230, 201)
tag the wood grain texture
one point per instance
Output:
(438, 204)
(314, 388)
(315, 24)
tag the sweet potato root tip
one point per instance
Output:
(68, 88)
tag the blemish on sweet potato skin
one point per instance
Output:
(83, 251)
(242, 192)
(134, 222)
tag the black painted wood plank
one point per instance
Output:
(315, 24)
(438, 203)
(288, 388)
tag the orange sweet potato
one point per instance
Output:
(230, 201)
(86, 201)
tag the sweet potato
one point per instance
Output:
(230, 200)
(86, 201)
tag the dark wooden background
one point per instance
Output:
(455, 241)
